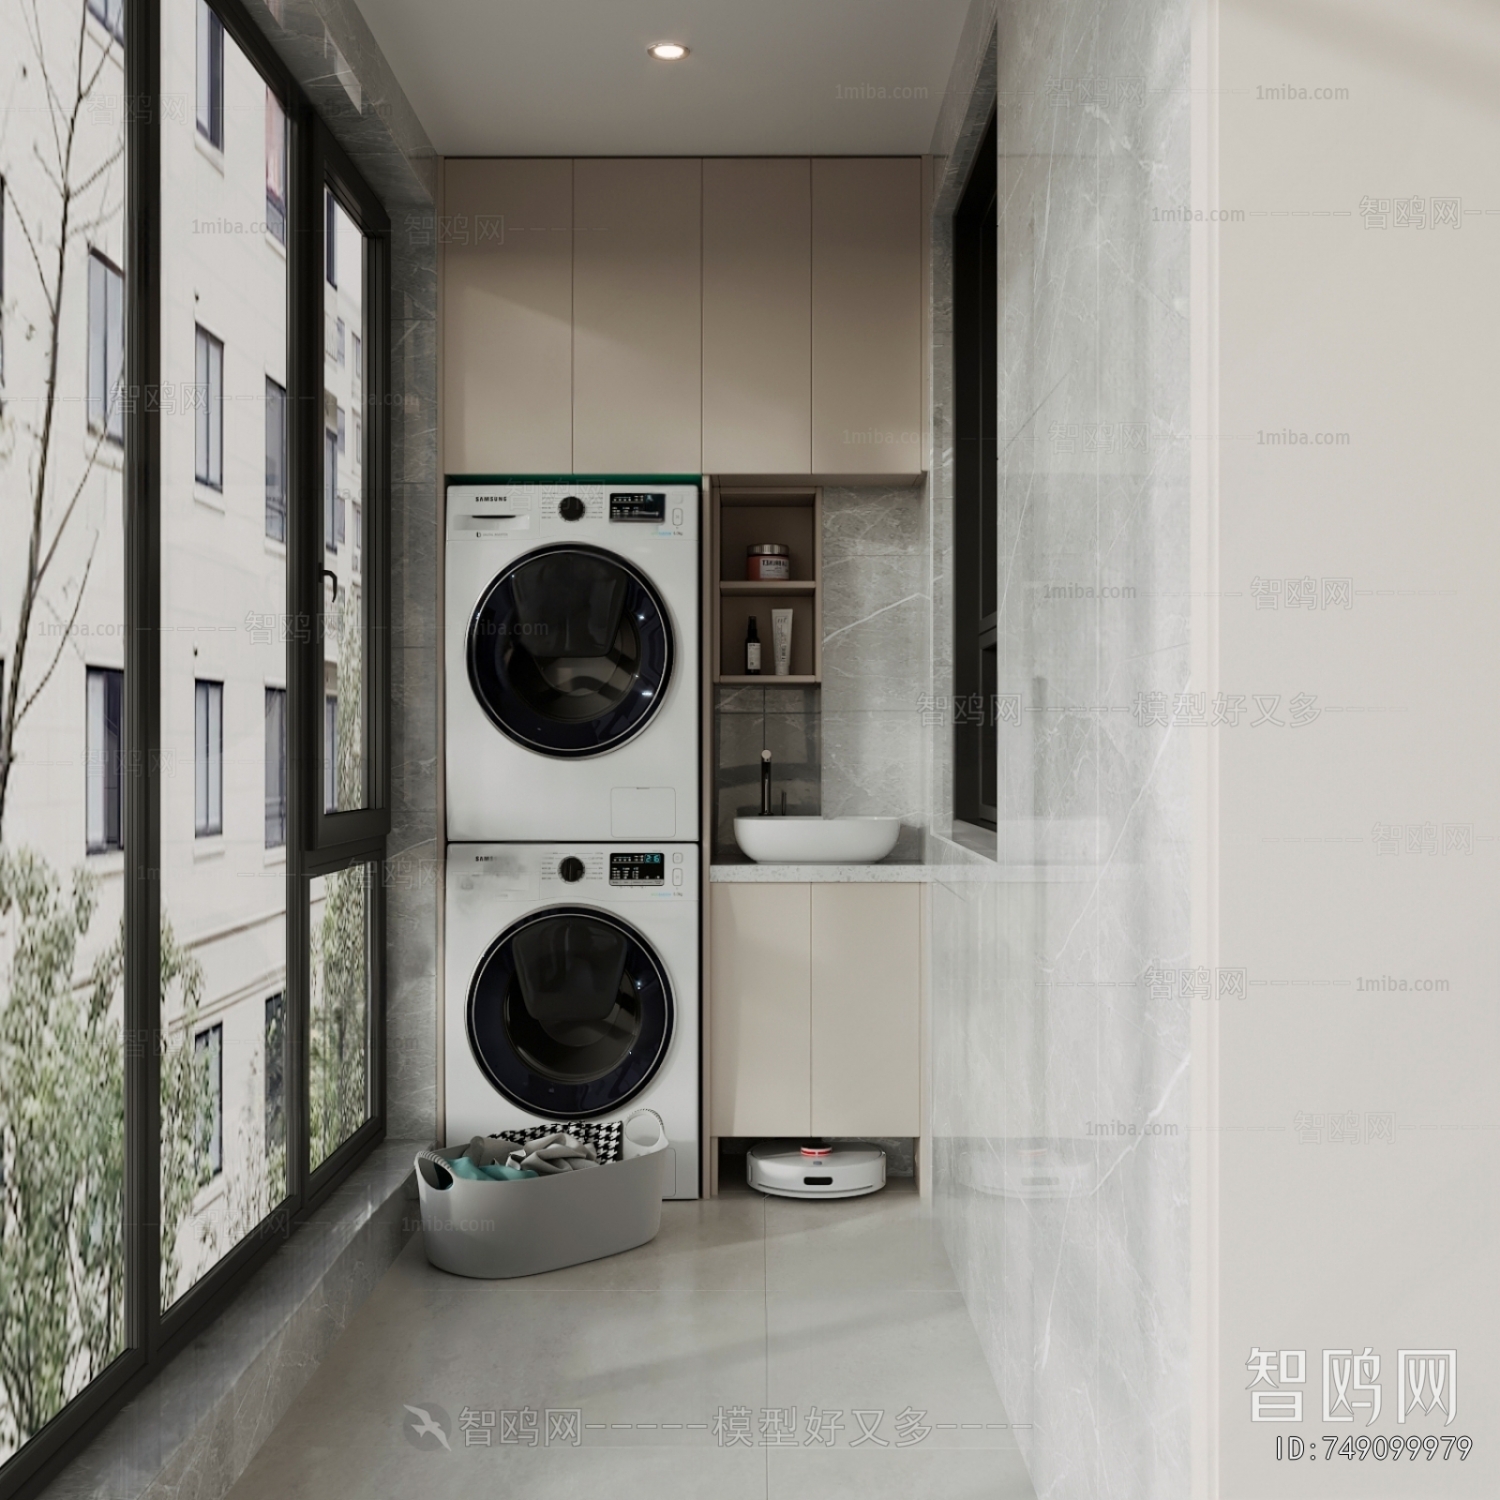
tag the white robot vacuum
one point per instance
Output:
(815, 1171)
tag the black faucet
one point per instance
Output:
(765, 783)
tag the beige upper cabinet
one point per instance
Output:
(867, 315)
(637, 316)
(757, 315)
(508, 317)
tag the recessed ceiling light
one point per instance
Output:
(667, 51)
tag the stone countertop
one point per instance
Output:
(889, 872)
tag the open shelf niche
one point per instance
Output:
(743, 517)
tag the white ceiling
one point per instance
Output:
(572, 78)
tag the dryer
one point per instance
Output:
(572, 660)
(572, 989)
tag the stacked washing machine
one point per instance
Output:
(573, 766)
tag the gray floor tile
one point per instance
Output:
(886, 1352)
(742, 1304)
(889, 1241)
(916, 1473)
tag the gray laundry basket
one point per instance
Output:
(518, 1228)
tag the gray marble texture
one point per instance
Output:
(1059, 1078)
(334, 56)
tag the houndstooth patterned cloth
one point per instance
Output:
(605, 1136)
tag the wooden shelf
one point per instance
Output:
(768, 679)
(768, 586)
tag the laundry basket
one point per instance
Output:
(519, 1228)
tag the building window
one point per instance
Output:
(275, 768)
(275, 167)
(976, 496)
(209, 403)
(275, 1073)
(359, 536)
(208, 758)
(208, 1053)
(330, 239)
(275, 461)
(339, 331)
(343, 434)
(106, 348)
(2, 288)
(359, 358)
(105, 714)
(110, 14)
(210, 75)
(333, 502)
(330, 752)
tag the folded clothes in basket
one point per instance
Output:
(557, 1152)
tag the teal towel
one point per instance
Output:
(496, 1172)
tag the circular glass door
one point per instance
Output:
(570, 651)
(570, 1013)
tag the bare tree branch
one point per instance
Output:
(67, 632)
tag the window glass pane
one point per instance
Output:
(275, 167)
(276, 454)
(223, 645)
(339, 1011)
(275, 768)
(62, 655)
(344, 631)
(210, 75)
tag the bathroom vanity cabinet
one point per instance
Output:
(815, 1003)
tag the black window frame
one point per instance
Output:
(976, 373)
(318, 844)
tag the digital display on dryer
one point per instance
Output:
(637, 505)
(637, 869)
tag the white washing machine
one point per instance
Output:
(572, 988)
(572, 661)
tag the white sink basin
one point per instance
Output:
(816, 841)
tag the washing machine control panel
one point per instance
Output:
(638, 505)
(638, 869)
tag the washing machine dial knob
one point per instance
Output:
(571, 508)
(571, 869)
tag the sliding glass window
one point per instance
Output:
(223, 610)
(63, 1292)
(192, 803)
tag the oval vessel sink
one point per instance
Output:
(816, 841)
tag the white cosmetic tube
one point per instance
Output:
(781, 640)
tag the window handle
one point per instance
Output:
(330, 574)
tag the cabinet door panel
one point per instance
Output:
(637, 316)
(507, 318)
(866, 978)
(759, 994)
(757, 316)
(867, 315)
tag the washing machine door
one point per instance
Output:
(570, 1013)
(570, 651)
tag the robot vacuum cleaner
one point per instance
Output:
(815, 1171)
